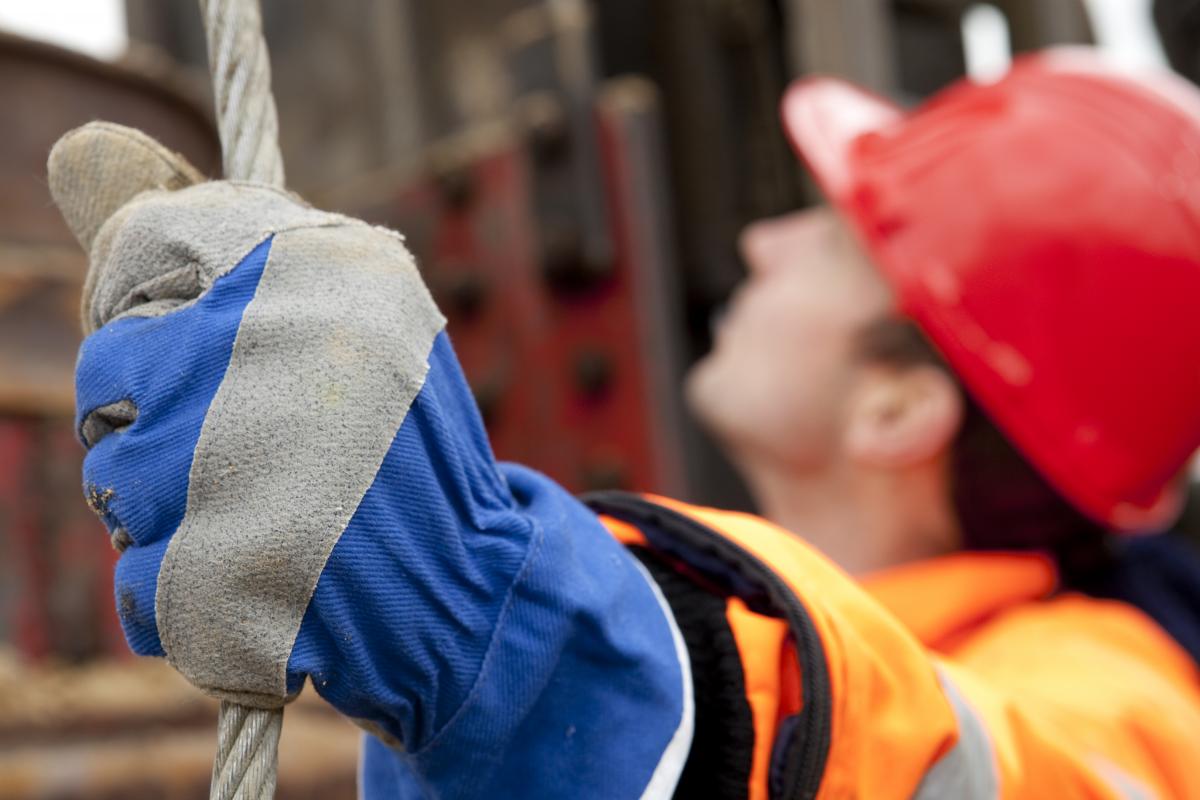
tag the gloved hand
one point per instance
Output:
(282, 444)
(249, 363)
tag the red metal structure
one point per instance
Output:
(564, 354)
(55, 562)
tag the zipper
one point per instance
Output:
(806, 754)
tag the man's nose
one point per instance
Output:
(755, 246)
(767, 244)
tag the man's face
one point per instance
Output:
(783, 360)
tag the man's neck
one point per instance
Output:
(862, 523)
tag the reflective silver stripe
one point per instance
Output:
(670, 766)
(1120, 781)
(968, 770)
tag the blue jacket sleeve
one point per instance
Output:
(489, 630)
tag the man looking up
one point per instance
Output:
(986, 342)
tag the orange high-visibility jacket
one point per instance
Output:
(960, 677)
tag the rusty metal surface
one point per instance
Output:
(45, 92)
(39, 326)
(48, 90)
(574, 363)
(55, 562)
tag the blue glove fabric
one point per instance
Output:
(478, 617)
(170, 367)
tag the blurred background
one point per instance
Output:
(572, 176)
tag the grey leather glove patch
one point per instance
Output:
(165, 248)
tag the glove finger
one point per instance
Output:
(95, 169)
(168, 369)
(134, 585)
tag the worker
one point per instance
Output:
(960, 392)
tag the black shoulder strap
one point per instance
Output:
(798, 761)
(722, 753)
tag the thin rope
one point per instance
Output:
(247, 762)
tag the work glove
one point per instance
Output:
(283, 447)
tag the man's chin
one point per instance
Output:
(707, 395)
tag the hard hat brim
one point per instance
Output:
(824, 117)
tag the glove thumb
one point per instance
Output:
(97, 168)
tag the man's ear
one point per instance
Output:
(901, 416)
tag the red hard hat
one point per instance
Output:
(1044, 232)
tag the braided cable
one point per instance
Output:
(241, 73)
(246, 765)
(247, 760)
